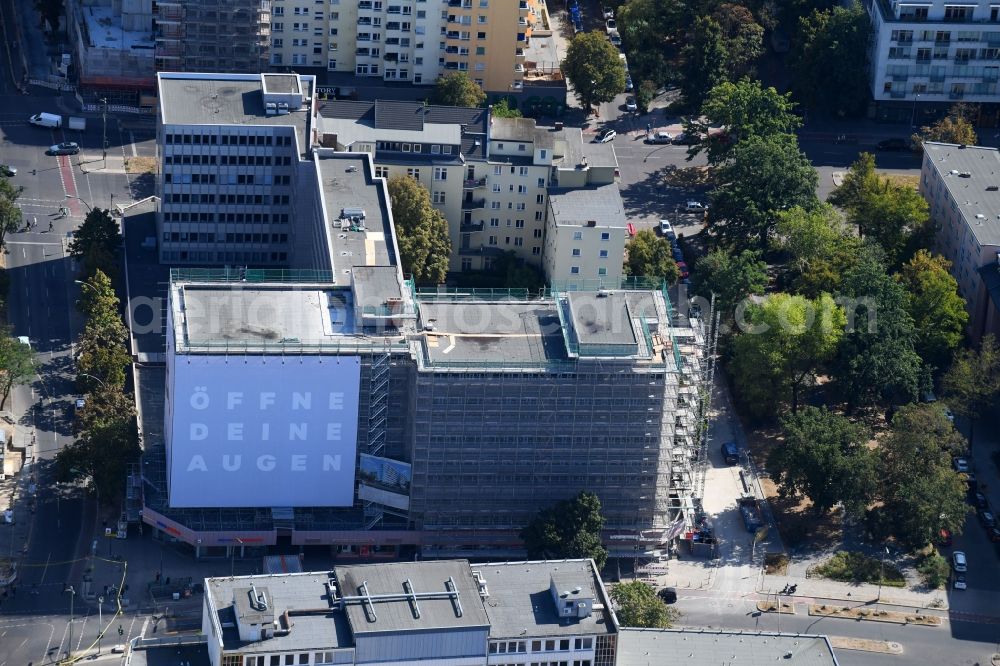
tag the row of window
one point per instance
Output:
(549, 645)
(603, 254)
(237, 199)
(251, 258)
(235, 218)
(228, 139)
(209, 237)
(226, 179)
(578, 235)
(575, 662)
(229, 160)
(401, 147)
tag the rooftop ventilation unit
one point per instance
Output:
(282, 108)
(352, 213)
(271, 109)
(965, 174)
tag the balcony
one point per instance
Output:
(471, 227)
(473, 183)
(473, 204)
(480, 251)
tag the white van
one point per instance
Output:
(46, 120)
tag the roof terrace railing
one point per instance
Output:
(251, 275)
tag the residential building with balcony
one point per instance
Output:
(210, 36)
(490, 177)
(963, 192)
(411, 41)
(934, 54)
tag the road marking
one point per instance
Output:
(46, 569)
(31, 243)
(131, 134)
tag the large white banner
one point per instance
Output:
(263, 431)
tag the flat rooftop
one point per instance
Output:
(474, 332)
(348, 187)
(455, 602)
(521, 605)
(650, 647)
(601, 320)
(315, 622)
(104, 28)
(968, 172)
(601, 204)
(190, 654)
(227, 99)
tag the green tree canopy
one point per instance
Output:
(96, 243)
(973, 381)
(921, 494)
(421, 231)
(704, 61)
(829, 60)
(10, 213)
(764, 176)
(503, 109)
(742, 36)
(637, 605)
(742, 109)
(937, 309)
(825, 457)
(457, 89)
(953, 128)
(103, 347)
(731, 277)
(784, 340)
(819, 247)
(568, 529)
(650, 256)
(876, 361)
(594, 69)
(107, 444)
(16, 363)
(649, 29)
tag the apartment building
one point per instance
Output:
(211, 36)
(235, 153)
(490, 177)
(961, 188)
(939, 51)
(407, 40)
(585, 235)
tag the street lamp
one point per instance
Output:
(100, 622)
(96, 379)
(89, 207)
(881, 567)
(72, 597)
(913, 115)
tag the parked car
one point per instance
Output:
(667, 229)
(607, 12)
(696, 207)
(631, 104)
(979, 500)
(8, 170)
(659, 137)
(79, 404)
(677, 253)
(668, 595)
(960, 464)
(685, 139)
(628, 84)
(64, 148)
(944, 538)
(959, 582)
(730, 454)
(994, 534)
(605, 136)
(958, 561)
(683, 268)
(987, 518)
(615, 38)
(894, 144)
(610, 26)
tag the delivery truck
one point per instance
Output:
(43, 119)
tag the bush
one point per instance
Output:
(934, 569)
(853, 567)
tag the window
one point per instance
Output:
(519, 224)
(584, 643)
(413, 173)
(303, 658)
(381, 172)
(605, 236)
(602, 271)
(496, 187)
(438, 197)
(494, 221)
(323, 658)
(537, 233)
(440, 173)
(536, 250)
(538, 216)
(577, 235)
(522, 189)
(520, 206)
(497, 170)
(564, 643)
(522, 171)
(493, 241)
(576, 252)
(603, 254)
(289, 660)
(550, 645)
(518, 242)
(540, 199)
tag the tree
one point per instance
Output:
(783, 342)
(103, 346)
(731, 277)
(594, 69)
(704, 61)
(937, 309)
(953, 128)
(421, 231)
(503, 109)
(742, 109)
(10, 212)
(973, 381)
(819, 247)
(51, 11)
(636, 605)
(568, 529)
(895, 216)
(921, 494)
(16, 363)
(765, 175)
(651, 256)
(96, 243)
(825, 457)
(829, 60)
(876, 360)
(650, 29)
(108, 443)
(743, 37)
(457, 89)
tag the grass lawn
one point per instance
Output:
(854, 567)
